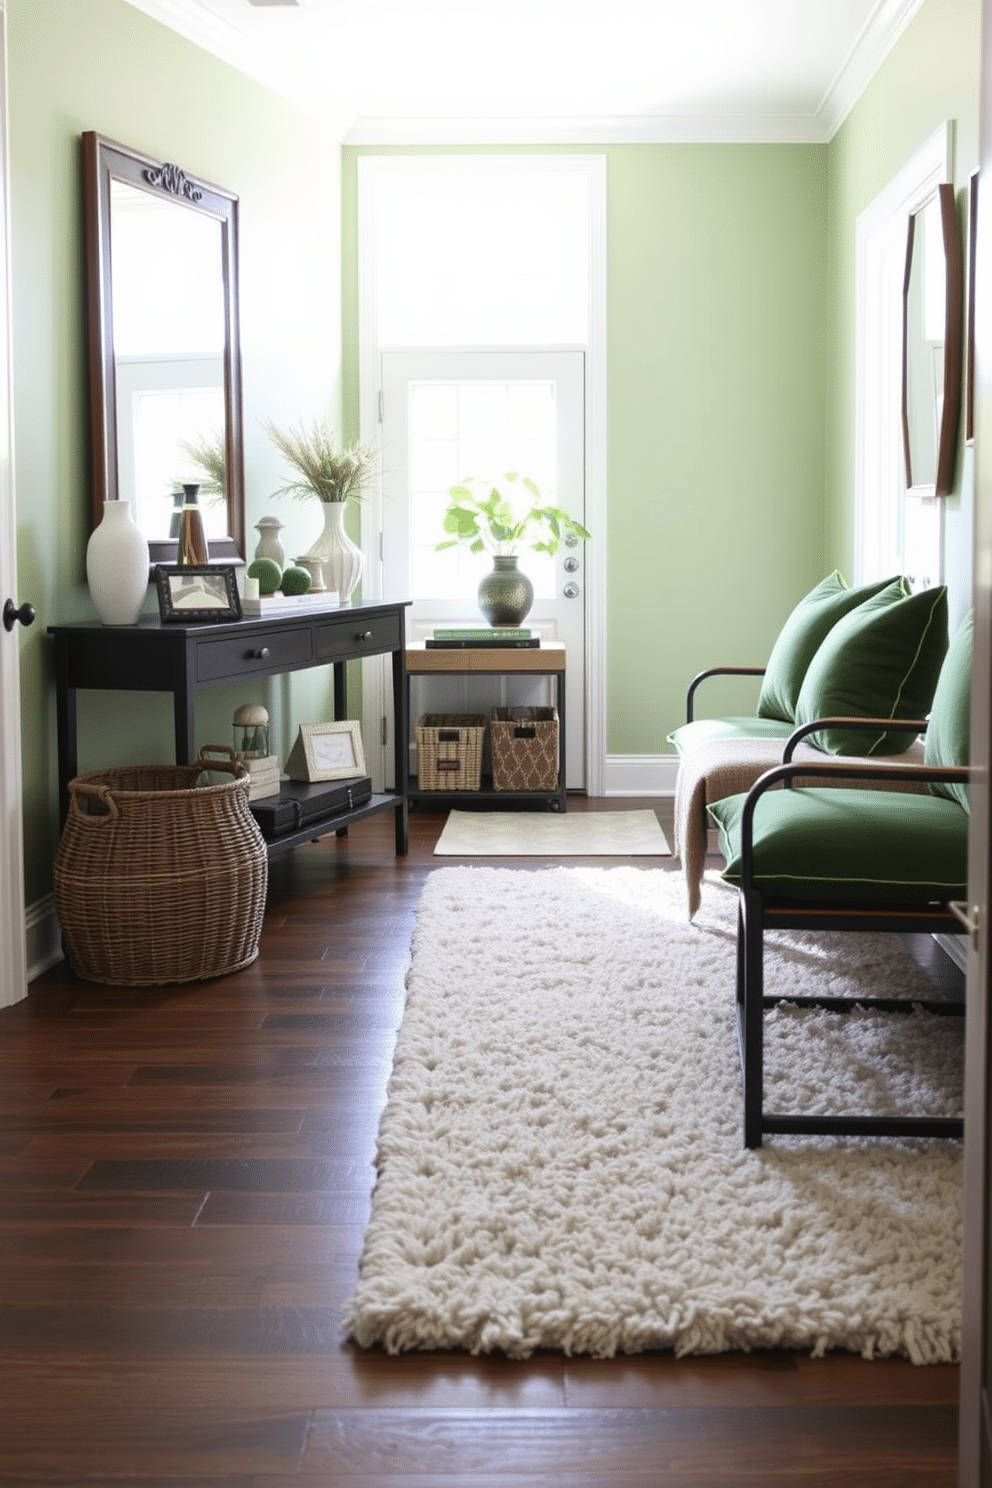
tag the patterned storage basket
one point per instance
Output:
(525, 748)
(449, 751)
(158, 881)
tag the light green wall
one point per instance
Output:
(931, 75)
(100, 64)
(716, 325)
(716, 386)
(730, 350)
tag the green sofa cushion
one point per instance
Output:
(802, 635)
(707, 730)
(882, 660)
(948, 730)
(818, 845)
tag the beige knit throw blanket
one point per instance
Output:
(727, 767)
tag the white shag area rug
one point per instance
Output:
(552, 834)
(561, 1161)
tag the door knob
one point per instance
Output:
(10, 614)
(570, 591)
(570, 565)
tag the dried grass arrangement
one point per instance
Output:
(209, 455)
(328, 469)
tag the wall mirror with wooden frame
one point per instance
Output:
(932, 339)
(164, 349)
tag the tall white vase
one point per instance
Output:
(117, 565)
(342, 560)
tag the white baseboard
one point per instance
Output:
(640, 774)
(44, 936)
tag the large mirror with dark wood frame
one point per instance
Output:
(932, 340)
(164, 352)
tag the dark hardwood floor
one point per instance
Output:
(184, 1179)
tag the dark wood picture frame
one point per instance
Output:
(181, 585)
(947, 439)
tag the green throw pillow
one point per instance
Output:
(948, 730)
(880, 661)
(801, 637)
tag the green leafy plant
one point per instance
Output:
(502, 517)
(328, 469)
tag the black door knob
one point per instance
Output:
(10, 614)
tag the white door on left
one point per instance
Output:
(13, 962)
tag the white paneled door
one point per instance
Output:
(13, 962)
(450, 415)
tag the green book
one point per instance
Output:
(484, 633)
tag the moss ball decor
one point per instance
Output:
(295, 580)
(267, 572)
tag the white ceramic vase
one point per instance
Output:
(269, 541)
(342, 560)
(117, 565)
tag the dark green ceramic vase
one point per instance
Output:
(505, 594)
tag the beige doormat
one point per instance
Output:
(540, 834)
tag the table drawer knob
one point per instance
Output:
(363, 635)
(260, 655)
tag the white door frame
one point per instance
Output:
(554, 617)
(13, 962)
(369, 354)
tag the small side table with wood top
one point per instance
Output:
(546, 660)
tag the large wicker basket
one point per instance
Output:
(158, 881)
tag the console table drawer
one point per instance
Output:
(262, 651)
(352, 635)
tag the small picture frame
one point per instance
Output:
(327, 751)
(189, 594)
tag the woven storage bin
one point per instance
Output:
(525, 748)
(449, 751)
(157, 881)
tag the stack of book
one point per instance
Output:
(263, 772)
(277, 605)
(467, 637)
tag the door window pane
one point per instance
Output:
(461, 430)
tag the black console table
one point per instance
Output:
(182, 659)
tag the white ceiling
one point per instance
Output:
(588, 71)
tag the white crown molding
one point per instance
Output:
(883, 30)
(195, 20)
(637, 130)
(228, 43)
